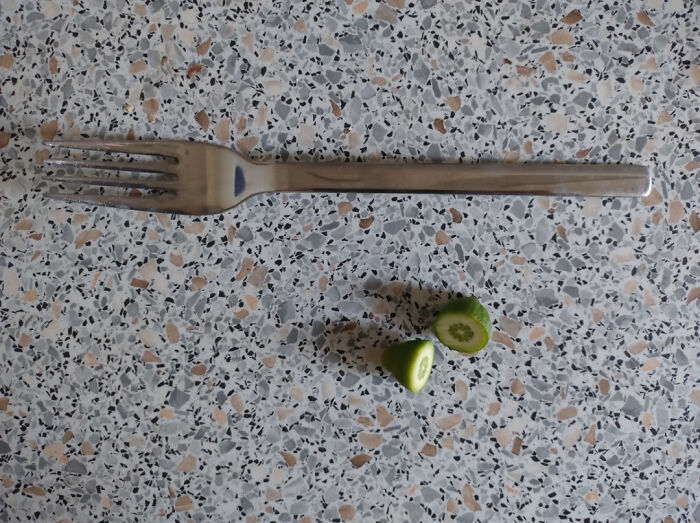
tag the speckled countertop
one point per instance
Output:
(160, 368)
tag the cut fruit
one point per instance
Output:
(463, 325)
(410, 363)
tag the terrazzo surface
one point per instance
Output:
(164, 368)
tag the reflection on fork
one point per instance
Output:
(207, 179)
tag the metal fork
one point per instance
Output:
(207, 179)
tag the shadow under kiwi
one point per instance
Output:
(399, 311)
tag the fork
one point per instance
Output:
(203, 178)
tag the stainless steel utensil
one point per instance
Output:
(203, 178)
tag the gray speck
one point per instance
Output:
(485, 130)
(332, 494)
(616, 232)
(67, 233)
(614, 151)
(325, 50)
(386, 14)
(67, 90)
(632, 407)
(317, 328)
(298, 507)
(474, 268)
(460, 252)
(618, 494)
(542, 232)
(90, 23)
(378, 132)
(421, 71)
(429, 494)
(313, 241)
(333, 294)
(282, 109)
(334, 76)
(612, 461)
(496, 105)
(353, 110)
(436, 88)
(411, 211)
(362, 24)
(226, 445)
(132, 309)
(541, 27)
(34, 16)
(368, 91)
(517, 209)
(350, 307)
(686, 191)
(562, 265)
(121, 409)
(178, 398)
(391, 450)
(542, 452)
(582, 98)
(571, 291)
(394, 227)
(351, 43)
(319, 78)
(546, 298)
(51, 351)
(329, 226)
(434, 153)
(221, 397)
(372, 283)
(668, 385)
(415, 511)
(244, 233)
(246, 505)
(628, 47)
(680, 358)
(75, 467)
(286, 311)
(639, 143)
(350, 380)
(659, 43)
(231, 64)
(4, 447)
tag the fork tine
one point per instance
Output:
(139, 183)
(149, 167)
(154, 204)
(158, 147)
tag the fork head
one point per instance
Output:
(195, 177)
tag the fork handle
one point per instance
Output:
(495, 178)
